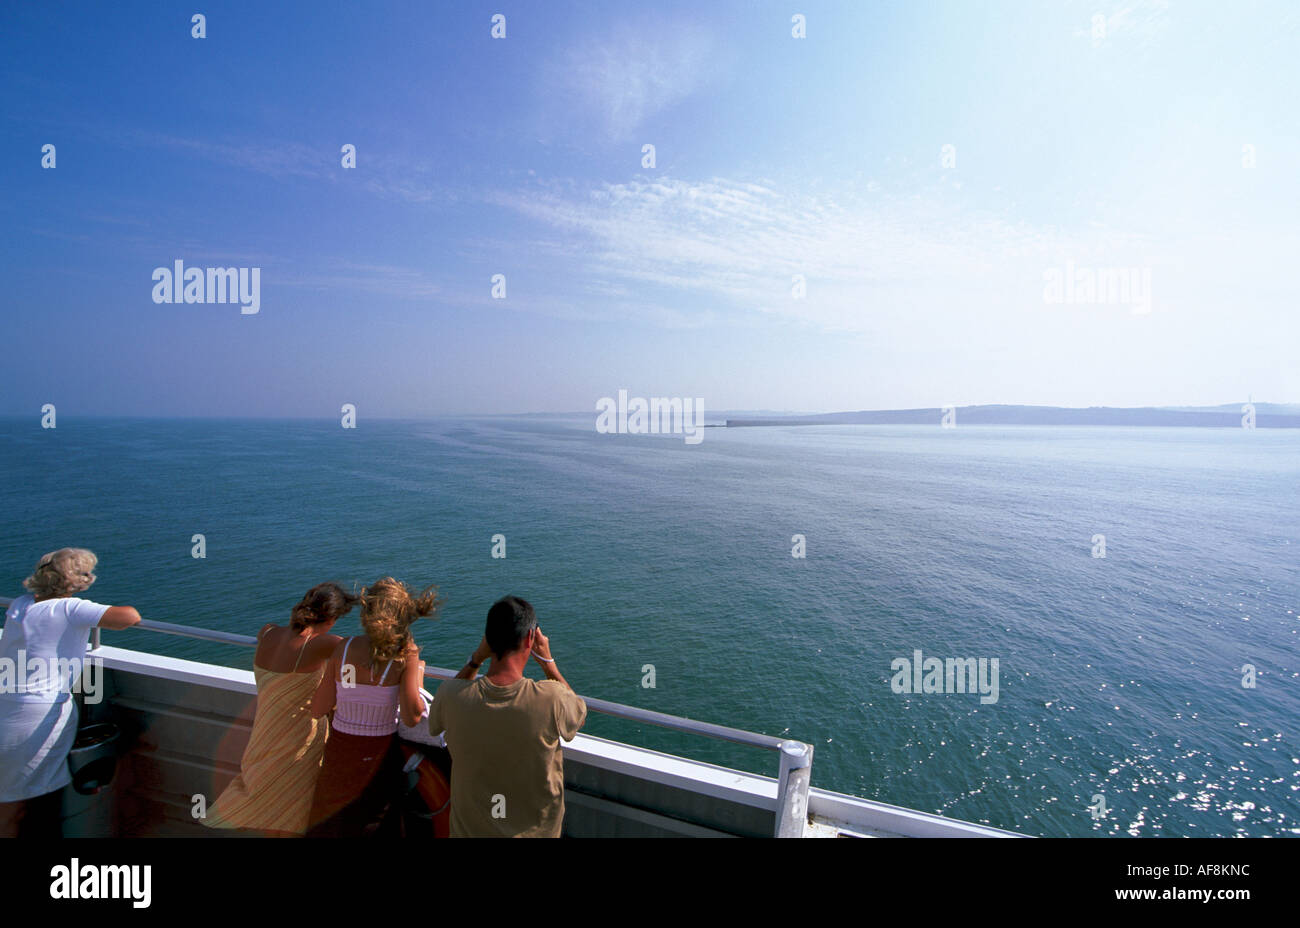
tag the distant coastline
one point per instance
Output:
(1229, 415)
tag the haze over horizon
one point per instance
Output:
(1268, 408)
(924, 168)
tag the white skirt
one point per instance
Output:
(36, 737)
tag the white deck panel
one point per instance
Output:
(832, 813)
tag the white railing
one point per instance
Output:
(794, 774)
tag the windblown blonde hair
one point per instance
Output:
(388, 610)
(62, 573)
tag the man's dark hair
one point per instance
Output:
(508, 623)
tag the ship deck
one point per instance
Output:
(185, 724)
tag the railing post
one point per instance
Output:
(94, 638)
(792, 789)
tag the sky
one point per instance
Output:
(865, 217)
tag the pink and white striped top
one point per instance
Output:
(364, 708)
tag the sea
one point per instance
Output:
(1138, 588)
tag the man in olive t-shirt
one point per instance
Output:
(504, 729)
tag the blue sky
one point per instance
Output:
(775, 157)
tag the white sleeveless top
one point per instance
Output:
(365, 708)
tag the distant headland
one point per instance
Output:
(1229, 415)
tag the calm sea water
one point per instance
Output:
(1120, 676)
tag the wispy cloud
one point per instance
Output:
(275, 159)
(383, 174)
(375, 279)
(1141, 20)
(629, 74)
(735, 248)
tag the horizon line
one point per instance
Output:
(578, 413)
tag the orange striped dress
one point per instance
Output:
(277, 777)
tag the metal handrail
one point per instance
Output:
(603, 706)
(793, 777)
(202, 634)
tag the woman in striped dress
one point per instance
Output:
(277, 776)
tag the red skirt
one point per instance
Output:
(359, 781)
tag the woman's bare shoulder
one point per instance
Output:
(325, 646)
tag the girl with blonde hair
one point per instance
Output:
(370, 681)
(46, 632)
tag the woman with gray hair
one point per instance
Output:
(41, 655)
